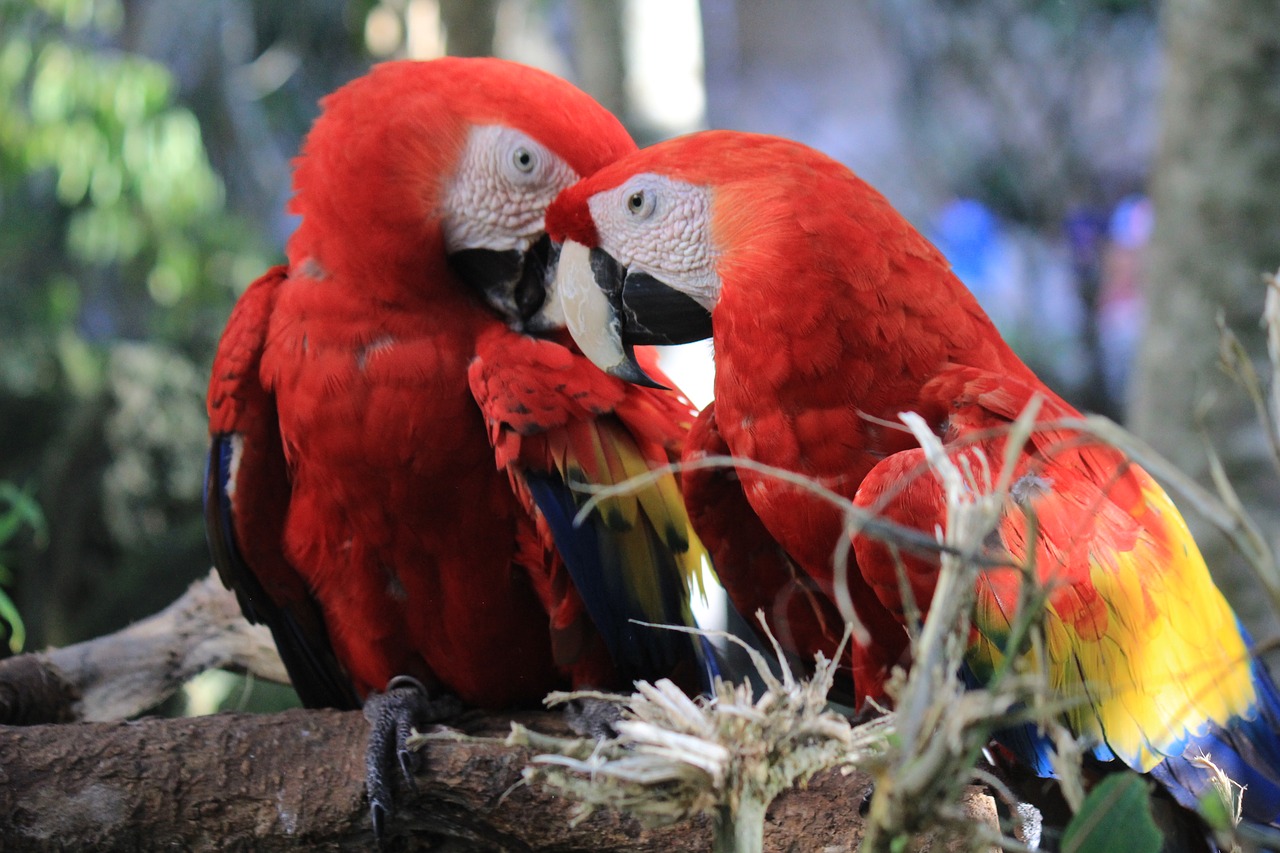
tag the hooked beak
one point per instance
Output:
(610, 311)
(513, 282)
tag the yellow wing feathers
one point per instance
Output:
(648, 521)
(1137, 633)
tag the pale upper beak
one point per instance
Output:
(609, 311)
(591, 318)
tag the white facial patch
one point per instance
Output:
(499, 195)
(660, 226)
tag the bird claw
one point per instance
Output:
(593, 718)
(864, 807)
(411, 764)
(378, 815)
(393, 716)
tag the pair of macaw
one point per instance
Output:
(403, 435)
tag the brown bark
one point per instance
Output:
(291, 780)
(276, 782)
(135, 669)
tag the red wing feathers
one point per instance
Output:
(561, 427)
(247, 495)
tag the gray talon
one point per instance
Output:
(406, 705)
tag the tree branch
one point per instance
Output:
(126, 673)
(281, 781)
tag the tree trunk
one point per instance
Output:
(469, 26)
(1216, 190)
(600, 53)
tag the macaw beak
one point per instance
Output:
(513, 282)
(610, 311)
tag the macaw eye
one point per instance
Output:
(639, 203)
(523, 159)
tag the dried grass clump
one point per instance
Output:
(728, 755)
(731, 754)
(942, 724)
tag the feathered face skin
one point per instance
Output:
(419, 162)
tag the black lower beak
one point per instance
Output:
(535, 277)
(515, 283)
(651, 313)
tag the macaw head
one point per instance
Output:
(654, 246)
(447, 163)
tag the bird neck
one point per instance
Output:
(827, 365)
(380, 262)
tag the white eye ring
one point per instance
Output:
(524, 160)
(639, 204)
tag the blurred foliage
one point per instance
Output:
(112, 221)
(143, 172)
(1036, 107)
(18, 510)
(1115, 816)
(217, 690)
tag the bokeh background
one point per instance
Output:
(1049, 147)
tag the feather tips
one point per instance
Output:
(562, 429)
(1135, 628)
(246, 493)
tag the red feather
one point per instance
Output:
(374, 493)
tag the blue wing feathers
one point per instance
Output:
(308, 657)
(593, 558)
(1247, 749)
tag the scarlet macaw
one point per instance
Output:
(830, 315)
(394, 464)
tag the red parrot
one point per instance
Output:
(830, 315)
(395, 466)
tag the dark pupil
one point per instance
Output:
(523, 158)
(636, 201)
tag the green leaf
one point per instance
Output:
(1116, 816)
(17, 630)
(20, 509)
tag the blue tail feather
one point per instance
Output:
(595, 565)
(1247, 749)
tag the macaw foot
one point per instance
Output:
(864, 807)
(392, 717)
(593, 718)
(1023, 820)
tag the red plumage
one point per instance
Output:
(832, 317)
(366, 517)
